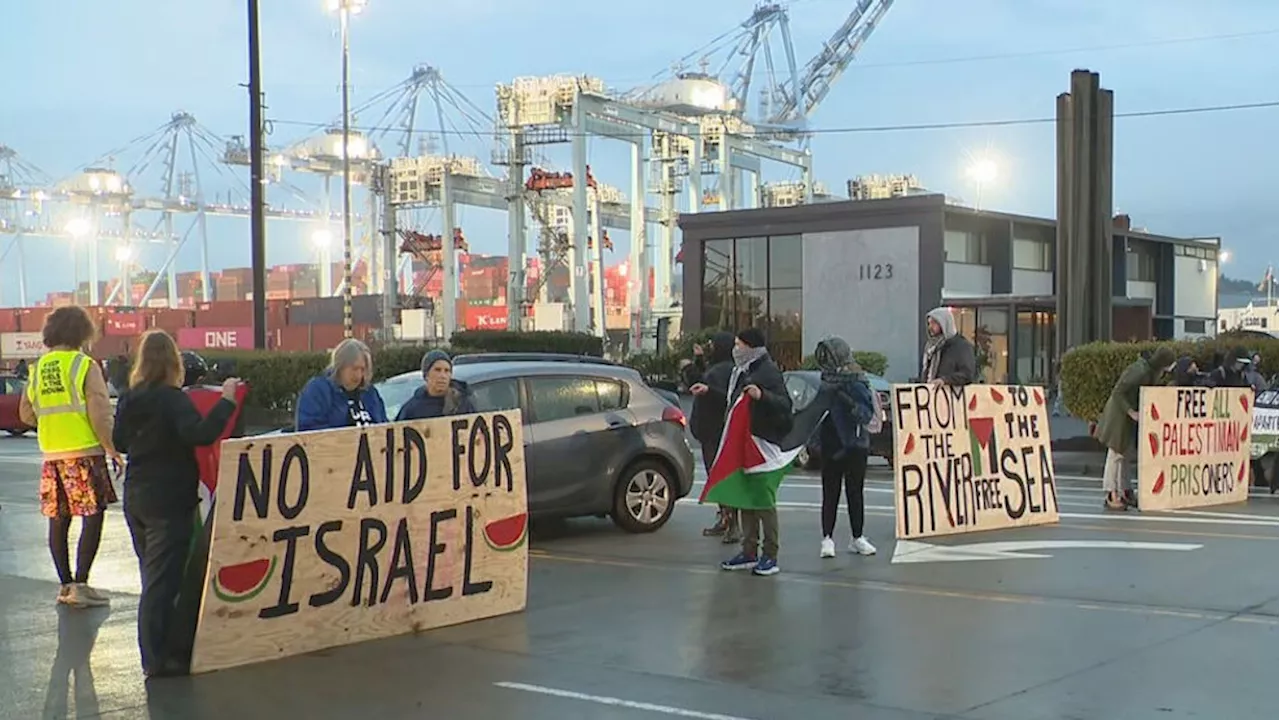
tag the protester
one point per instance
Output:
(158, 427)
(1253, 374)
(67, 402)
(755, 375)
(1117, 428)
(1230, 372)
(845, 442)
(708, 379)
(1186, 373)
(948, 356)
(438, 396)
(343, 395)
(20, 370)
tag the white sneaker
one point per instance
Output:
(862, 546)
(828, 548)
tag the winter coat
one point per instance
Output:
(1116, 430)
(422, 406)
(324, 405)
(706, 421)
(953, 362)
(850, 408)
(771, 417)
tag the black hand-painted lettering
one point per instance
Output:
(1009, 468)
(248, 484)
(402, 564)
(295, 455)
(912, 486)
(362, 478)
(415, 447)
(289, 536)
(367, 559)
(1048, 488)
(479, 435)
(334, 560)
(389, 454)
(429, 592)
(457, 427)
(504, 439)
(469, 587)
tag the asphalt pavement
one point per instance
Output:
(1128, 616)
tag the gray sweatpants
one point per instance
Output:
(1114, 477)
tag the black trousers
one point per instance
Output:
(851, 468)
(162, 543)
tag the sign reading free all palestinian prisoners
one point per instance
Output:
(971, 459)
(1193, 446)
(339, 536)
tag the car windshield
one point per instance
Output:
(395, 393)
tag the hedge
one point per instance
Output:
(871, 361)
(1089, 372)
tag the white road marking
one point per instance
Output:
(616, 702)
(914, 551)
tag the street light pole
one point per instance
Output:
(257, 188)
(348, 329)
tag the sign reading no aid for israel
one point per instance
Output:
(971, 459)
(334, 537)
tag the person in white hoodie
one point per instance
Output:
(948, 356)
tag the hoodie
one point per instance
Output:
(158, 427)
(709, 410)
(1182, 375)
(949, 356)
(851, 403)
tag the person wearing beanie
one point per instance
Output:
(439, 395)
(1117, 428)
(756, 375)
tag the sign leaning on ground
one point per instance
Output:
(1193, 446)
(335, 537)
(1266, 424)
(971, 459)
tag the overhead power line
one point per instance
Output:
(904, 127)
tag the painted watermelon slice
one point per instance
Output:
(973, 403)
(238, 583)
(507, 534)
(1154, 442)
(910, 445)
(1158, 487)
(1155, 415)
(996, 395)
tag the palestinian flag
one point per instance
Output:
(747, 469)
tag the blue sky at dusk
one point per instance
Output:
(87, 77)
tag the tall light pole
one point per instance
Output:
(257, 187)
(345, 9)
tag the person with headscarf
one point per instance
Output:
(1186, 373)
(439, 396)
(1253, 374)
(343, 395)
(756, 375)
(708, 380)
(948, 356)
(1117, 428)
(845, 442)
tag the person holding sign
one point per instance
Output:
(845, 441)
(159, 427)
(67, 402)
(948, 356)
(438, 396)
(1117, 428)
(344, 395)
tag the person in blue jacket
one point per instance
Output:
(343, 396)
(845, 442)
(439, 395)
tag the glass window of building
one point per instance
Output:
(755, 282)
(784, 326)
(786, 262)
(717, 283)
(991, 344)
(751, 263)
(965, 247)
(1031, 254)
(1140, 265)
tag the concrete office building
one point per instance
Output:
(870, 270)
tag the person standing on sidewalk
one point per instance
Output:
(948, 356)
(708, 379)
(67, 402)
(1117, 428)
(158, 427)
(757, 376)
(845, 442)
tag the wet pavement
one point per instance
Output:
(623, 626)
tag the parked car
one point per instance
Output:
(597, 440)
(671, 397)
(803, 386)
(11, 389)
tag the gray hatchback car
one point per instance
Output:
(597, 440)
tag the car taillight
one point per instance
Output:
(675, 415)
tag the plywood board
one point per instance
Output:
(335, 537)
(971, 459)
(1193, 446)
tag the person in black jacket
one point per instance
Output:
(439, 395)
(755, 374)
(1231, 371)
(708, 380)
(157, 427)
(948, 356)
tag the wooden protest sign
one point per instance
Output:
(971, 459)
(1193, 446)
(340, 536)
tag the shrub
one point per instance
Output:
(871, 361)
(1089, 372)
(572, 343)
(274, 378)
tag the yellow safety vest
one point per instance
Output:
(56, 392)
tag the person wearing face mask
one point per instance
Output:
(438, 396)
(948, 356)
(343, 395)
(755, 375)
(845, 441)
(1117, 428)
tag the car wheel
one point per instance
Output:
(644, 497)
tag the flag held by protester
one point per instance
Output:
(747, 469)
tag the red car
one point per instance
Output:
(11, 389)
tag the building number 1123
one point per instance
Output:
(878, 271)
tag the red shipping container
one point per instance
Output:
(231, 313)
(8, 321)
(219, 338)
(130, 324)
(325, 337)
(277, 313)
(110, 346)
(486, 317)
(171, 321)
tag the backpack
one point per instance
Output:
(877, 414)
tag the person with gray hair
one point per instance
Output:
(343, 395)
(439, 395)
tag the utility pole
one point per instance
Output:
(257, 186)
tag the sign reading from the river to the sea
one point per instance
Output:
(971, 459)
(339, 536)
(1193, 446)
